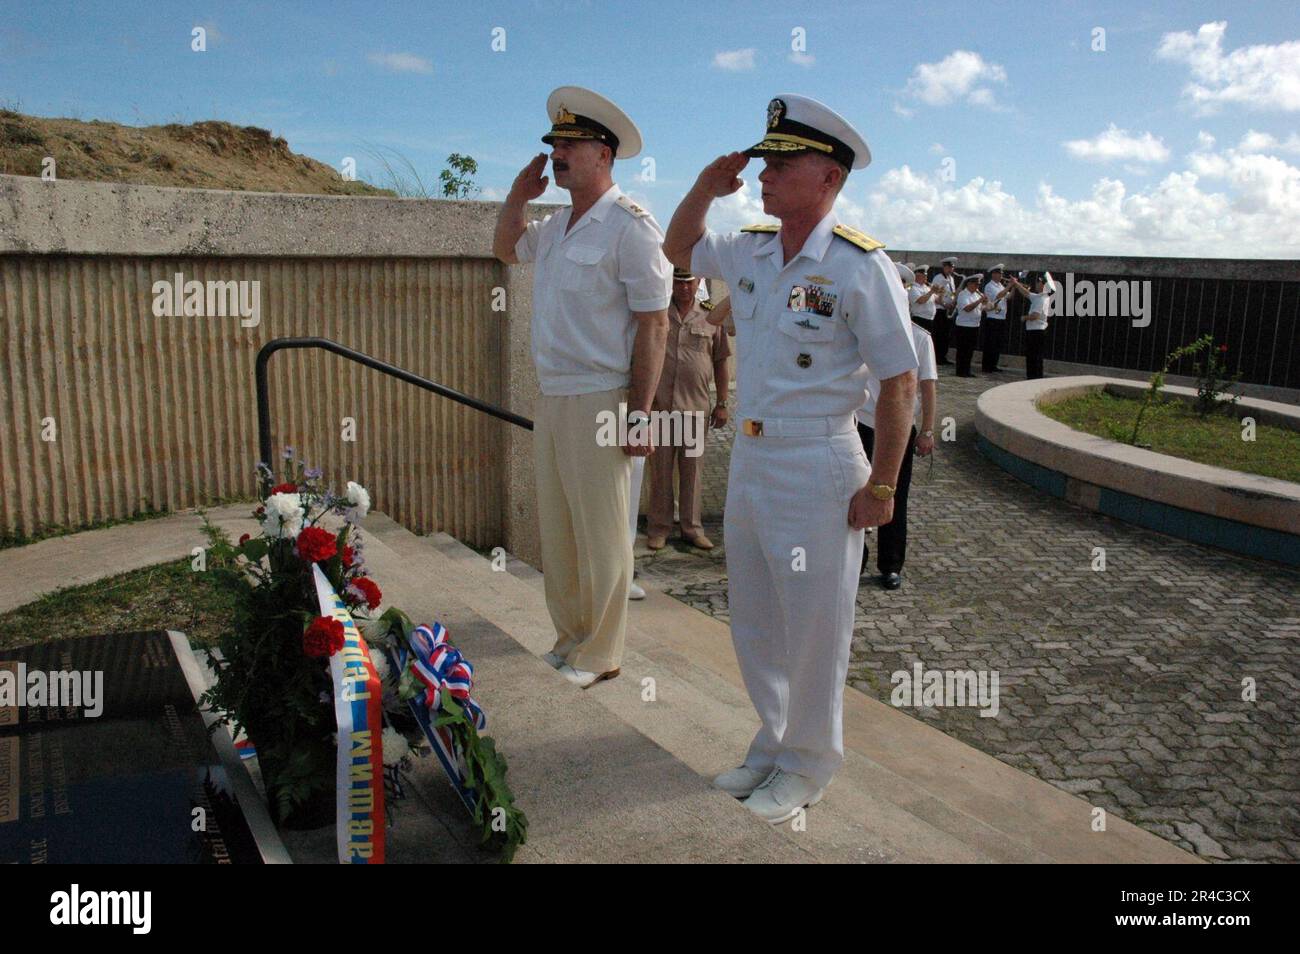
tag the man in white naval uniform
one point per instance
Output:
(817, 308)
(944, 316)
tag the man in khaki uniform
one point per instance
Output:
(601, 288)
(696, 352)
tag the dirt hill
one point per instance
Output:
(205, 155)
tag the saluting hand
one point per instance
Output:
(721, 176)
(530, 183)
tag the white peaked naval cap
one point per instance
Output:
(799, 124)
(578, 113)
(906, 272)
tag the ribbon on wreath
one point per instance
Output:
(359, 715)
(440, 668)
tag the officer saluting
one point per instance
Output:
(600, 318)
(817, 307)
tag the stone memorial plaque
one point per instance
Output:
(105, 758)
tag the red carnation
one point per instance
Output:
(244, 538)
(315, 544)
(1223, 348)
(324, 637)
(286, 488)
(368, 590)
(349, 557)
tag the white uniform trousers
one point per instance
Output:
(792, 569)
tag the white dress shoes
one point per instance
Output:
(583, 679)
(635, 592)
(782, 795)
(741, 782)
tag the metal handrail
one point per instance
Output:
(325, 344)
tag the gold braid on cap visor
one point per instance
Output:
(788, 142)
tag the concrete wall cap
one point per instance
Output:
(1008, 417)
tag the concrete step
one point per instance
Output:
(593, 787)
(607, 774)
(907, 792)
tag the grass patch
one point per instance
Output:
(1172, 427)
(166, 596)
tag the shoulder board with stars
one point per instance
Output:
(632, 207)
(707, 305)
(761, 228)
(860, 239)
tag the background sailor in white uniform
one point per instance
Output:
(891, 542)
(814, 303)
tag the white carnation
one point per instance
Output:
(395, 746)
(359, 497)
(284, 516)
(382, 669)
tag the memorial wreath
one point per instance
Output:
(337, 700)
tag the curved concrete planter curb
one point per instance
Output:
(1246, 513)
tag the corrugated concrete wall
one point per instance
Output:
(107, 410)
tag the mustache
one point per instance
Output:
(560, 166)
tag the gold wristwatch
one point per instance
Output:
(880, 491)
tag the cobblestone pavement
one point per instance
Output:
(1123, 686)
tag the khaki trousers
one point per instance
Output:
(582, 509)
(662, 461)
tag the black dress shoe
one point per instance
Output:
(891, 581)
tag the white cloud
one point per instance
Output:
(737, 210)
(401, 62)
(802, 59)
(1258, 77)
(734, 60)
(1266, 142)
(936, 149)
(1224, 205)
(961, 74)
(1118, 144)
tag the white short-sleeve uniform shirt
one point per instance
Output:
(927, 370)
(948, 298)
(996, 309)
(964, 318)
(586, 285)
(1042, 304)
(924, 309)
(809, 333)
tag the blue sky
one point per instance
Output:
(1184, 129)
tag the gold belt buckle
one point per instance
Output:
(753, 428)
